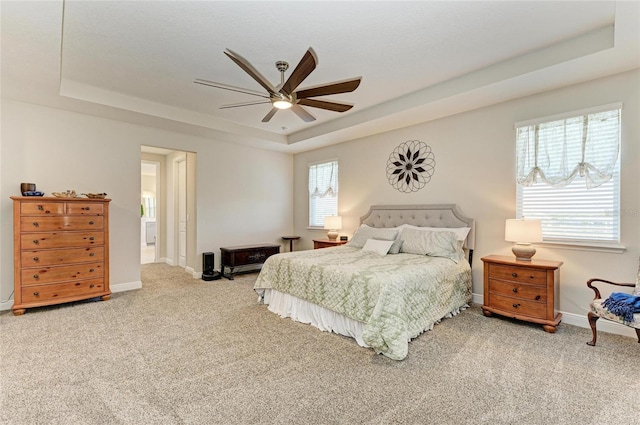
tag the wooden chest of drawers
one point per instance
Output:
(523, 290)
(246, 255)
(61, 250)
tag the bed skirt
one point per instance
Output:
(285, 305)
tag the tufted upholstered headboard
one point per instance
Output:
(427, 215)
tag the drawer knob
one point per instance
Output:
(91, 238)
(532, 277)
(87, 208)
(35, 294)
(35, 224)
(514, 274)
(91, 222)
(91, 270)
(537, 297)
(36, 242)
(92, 254)
(92, 285)
(515, 290)
(36, 259)
(40, 208)
(516, 305)
(35, 276)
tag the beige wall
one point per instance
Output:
(244, 195)
(475, 168)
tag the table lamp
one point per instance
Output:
(333, 223)
(523, 232)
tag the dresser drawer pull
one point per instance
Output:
(91, 222)
(35, 276)
(537, 297)
(514, 274)
(515, 290)
(86, 208)
(516, 305)
(35, 294)
(92, 254)
(35, 224)
(92, 285)
(36, 259)
(35, 241)
(91, 270)
(532, 277)
(40, 208)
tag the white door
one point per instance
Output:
(182, 213)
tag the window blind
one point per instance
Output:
(323, 192)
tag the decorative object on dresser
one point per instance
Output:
(523, 233)
(327, 243)
(247, 255)
(523, 290)
(620, 307)
(333, 223)
(61, 250)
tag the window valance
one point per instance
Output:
(558, 150)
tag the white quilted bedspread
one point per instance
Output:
(397, 296)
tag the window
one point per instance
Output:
(568, 174)
(323, 192)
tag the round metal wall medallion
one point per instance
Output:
(410, 166)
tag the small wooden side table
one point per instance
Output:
(327, 243)
(523, 290)
(291, 239)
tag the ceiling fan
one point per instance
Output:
(284, 95)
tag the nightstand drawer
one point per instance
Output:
(518, 290)
(518, 274)
(518, 306)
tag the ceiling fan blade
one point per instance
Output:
(323, 104)
(249, 69)
(302, 113)
(344, 86)
(306, 65)
(228, 87)
(237, 105)
(270, 115)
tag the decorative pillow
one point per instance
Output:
(431, 243)
(364, 233)
(378, 246)
(461, 232)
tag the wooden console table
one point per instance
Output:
(247, 255)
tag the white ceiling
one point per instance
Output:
(136, 61)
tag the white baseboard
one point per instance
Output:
(582, 321)
(127, 286)
(6, 305)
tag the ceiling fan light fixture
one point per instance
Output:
(282, 104)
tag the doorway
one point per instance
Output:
(150, 185)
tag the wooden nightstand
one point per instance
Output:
(523, 290)
(327, 243)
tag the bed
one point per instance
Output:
(382, 299)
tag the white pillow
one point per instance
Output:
(378, 246)
(461, 232)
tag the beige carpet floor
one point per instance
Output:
(185, 351)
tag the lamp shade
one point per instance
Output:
(523, 230)
(333, 222)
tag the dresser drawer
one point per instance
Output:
(60, 239)
(39, 275)
(55, 257)
(518, 274)
(43, 293)
(41, 208)
(518, 306)
(518, 290)
(38, 224)
(86, 208)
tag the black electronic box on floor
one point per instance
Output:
(208, 273)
